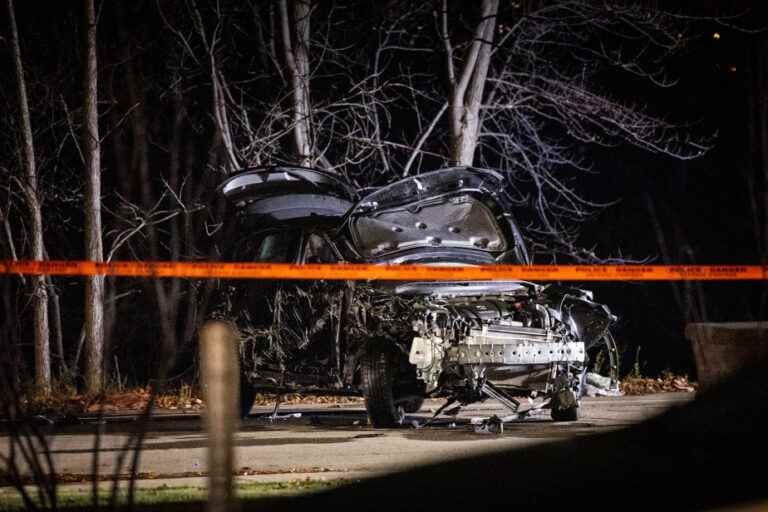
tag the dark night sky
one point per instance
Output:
(702, 204)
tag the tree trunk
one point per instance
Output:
(190, 197)
(467, 95)
(39, 290)
(58, 330)
(762, 101)
(219, 89)
(94, 285)
(168, 297)
(296, 52)
(58, 333)
(9, 325)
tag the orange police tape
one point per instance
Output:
(345, 271)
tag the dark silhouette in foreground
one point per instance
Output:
(709, 453)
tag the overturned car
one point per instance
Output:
(398, 343)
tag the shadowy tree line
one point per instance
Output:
(124, 117)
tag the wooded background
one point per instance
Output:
(628, 132)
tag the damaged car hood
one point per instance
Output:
(456, 215)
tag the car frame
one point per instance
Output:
(397, 343)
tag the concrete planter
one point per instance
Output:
(721, 349)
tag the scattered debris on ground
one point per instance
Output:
(601, 385)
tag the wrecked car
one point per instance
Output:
(398, 343)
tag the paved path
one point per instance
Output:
(332, 442)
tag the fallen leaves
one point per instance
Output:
(667, 383)
(298, 399)
(135, 400)
(249, 471)
(67, 402)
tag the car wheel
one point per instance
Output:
(565, 406)
(379, 374)
(413, 405)
(603, 358)
(614, 363)
(247, 397)
(409, 390)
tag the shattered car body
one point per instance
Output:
(397, 343)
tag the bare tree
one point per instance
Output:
(523, 93)
(344, 131)
(528, 101)
(10, 328)
(94, 285)
(295, 35)
(466, 90)
(30, 189)
(218, 84)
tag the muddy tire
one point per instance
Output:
(414, 405)
(247, 397)
(565, 406)
(379, 375)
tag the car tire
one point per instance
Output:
(564, 406)
(609, 349)
(414, 405)
(379, 374)
(247, 397)
(614, 361)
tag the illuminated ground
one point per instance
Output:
(328, 442)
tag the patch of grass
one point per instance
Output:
(170, 497)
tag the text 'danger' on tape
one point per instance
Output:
(344, 271)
